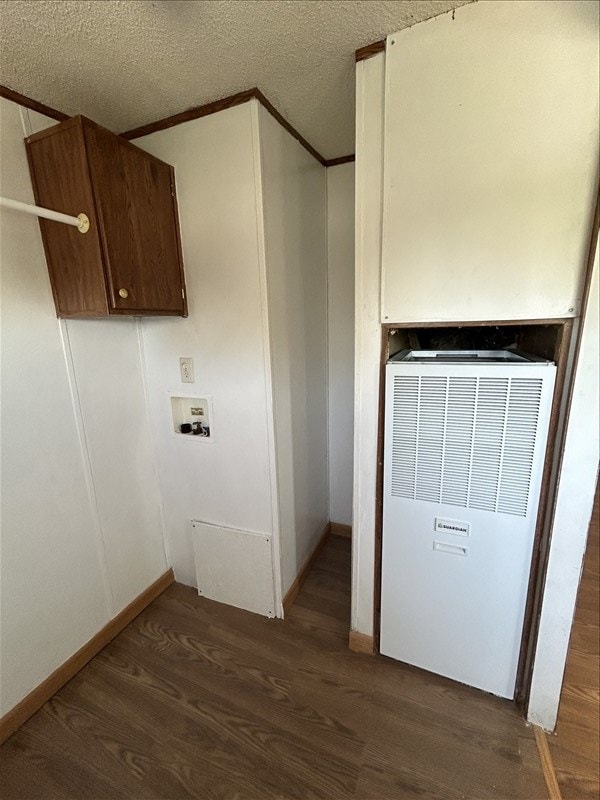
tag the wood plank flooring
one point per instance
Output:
(575, 747)
(196, 699)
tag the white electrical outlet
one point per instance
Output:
(186, 365)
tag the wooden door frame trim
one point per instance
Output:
(221, 105)
(185, 116)
(36, 698)
(370, 50)
(487, 323)
(196, 112)
(384, 354)
(334, 162)
(34, 105)
(524, 688)
(541, 541)
(538, 563)
(288, 127)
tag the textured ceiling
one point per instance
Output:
(128, 62)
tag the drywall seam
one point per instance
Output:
(161, 510)
(81, 437)
(327, 399)
(25, 120)
(267, 356)
(87, 468)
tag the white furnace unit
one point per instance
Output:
(465, 437)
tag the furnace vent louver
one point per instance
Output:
(465, 441)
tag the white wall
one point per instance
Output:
(340, 327)
(227, 480)
(86, 421)
(562, 36)
(81, 533)
(252, 206)
(111, 397)
(491, 162)
(369, 198)
(294, 207)
(574, 503)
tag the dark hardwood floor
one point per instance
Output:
(196, 699)
(575, 747)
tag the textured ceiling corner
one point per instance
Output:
(125, 64)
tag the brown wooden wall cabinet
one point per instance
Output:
(129, 262)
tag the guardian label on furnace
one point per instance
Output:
(454, 526)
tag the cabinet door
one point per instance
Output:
(61, 181)
(135, 201)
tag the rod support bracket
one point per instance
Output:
(84, 223)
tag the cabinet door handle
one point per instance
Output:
(123, 293)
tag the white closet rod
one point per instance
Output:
(81, 221)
